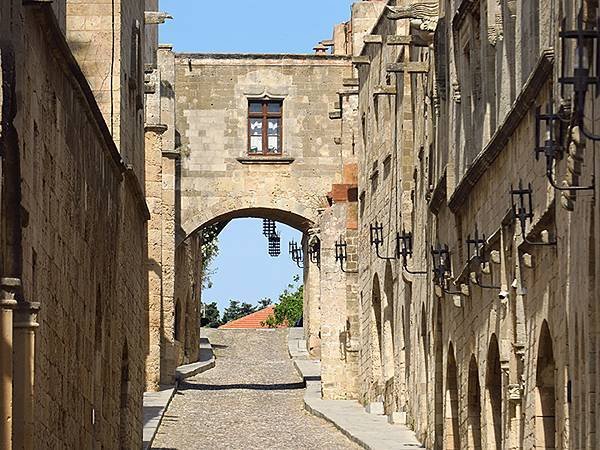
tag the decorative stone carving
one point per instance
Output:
(422, 15)
(156, 17)
(456, 95)
(514, 392)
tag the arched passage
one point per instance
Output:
(474, 406)
(545, 401)
(376, 337)
(493, 384)
(451, 429)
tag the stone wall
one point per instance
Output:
(496, 360)
(217, 176)
(108, 42)
(173, 271)
(79, 255)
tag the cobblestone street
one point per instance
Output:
(252, 399)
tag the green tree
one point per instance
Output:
(289, 309)
(211, 315)
(236, 310)
(262, 304)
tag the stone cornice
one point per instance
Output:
(265, 160)
(136, 186)
(438, 196)
(158, 128)
(498, 141)
(49, 26)
(461, 13)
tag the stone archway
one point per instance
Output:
(474, 406)
(493, 384)
(545, 395)
(451, 427)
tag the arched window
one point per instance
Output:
(177, 321)
(545, 407)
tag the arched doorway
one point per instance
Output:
(451, 429)
(387, 351)
(474, 406)
(438, 376)
(493, 384)
(376, 338)
(545, 401)
(177, 321)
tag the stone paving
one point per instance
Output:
(252, 399)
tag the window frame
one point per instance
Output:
(265, 115)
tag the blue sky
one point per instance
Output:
(244, 270)
(251, 26)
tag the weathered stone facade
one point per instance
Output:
(505, 355)
(73, 242)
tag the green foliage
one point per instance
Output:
(211, 315)
(289, 309)
(236, 310)
(262, 304)
(209, 250)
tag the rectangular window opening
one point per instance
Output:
(264, 127)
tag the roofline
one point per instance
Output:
(299, 56)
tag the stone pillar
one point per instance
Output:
(154, 200)
(339, 364)
(24, 373)
(169, 353)
(8, 287)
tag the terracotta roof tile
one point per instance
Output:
(251, 321)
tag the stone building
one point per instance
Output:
(208, 162)
(73, 284)
(490, 340)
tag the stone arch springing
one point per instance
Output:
(376, 338)
(493, 385)
(177, 321)
(545, 401)
(451, 429)
(387, 352)
(124, 440)
(474, 406)
(439, 374)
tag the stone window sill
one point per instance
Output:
(265, 160)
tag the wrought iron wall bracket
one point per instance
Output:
(581, 78)
(341, 255)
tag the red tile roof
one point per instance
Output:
(253, 320)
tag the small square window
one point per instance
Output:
(264, 127)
